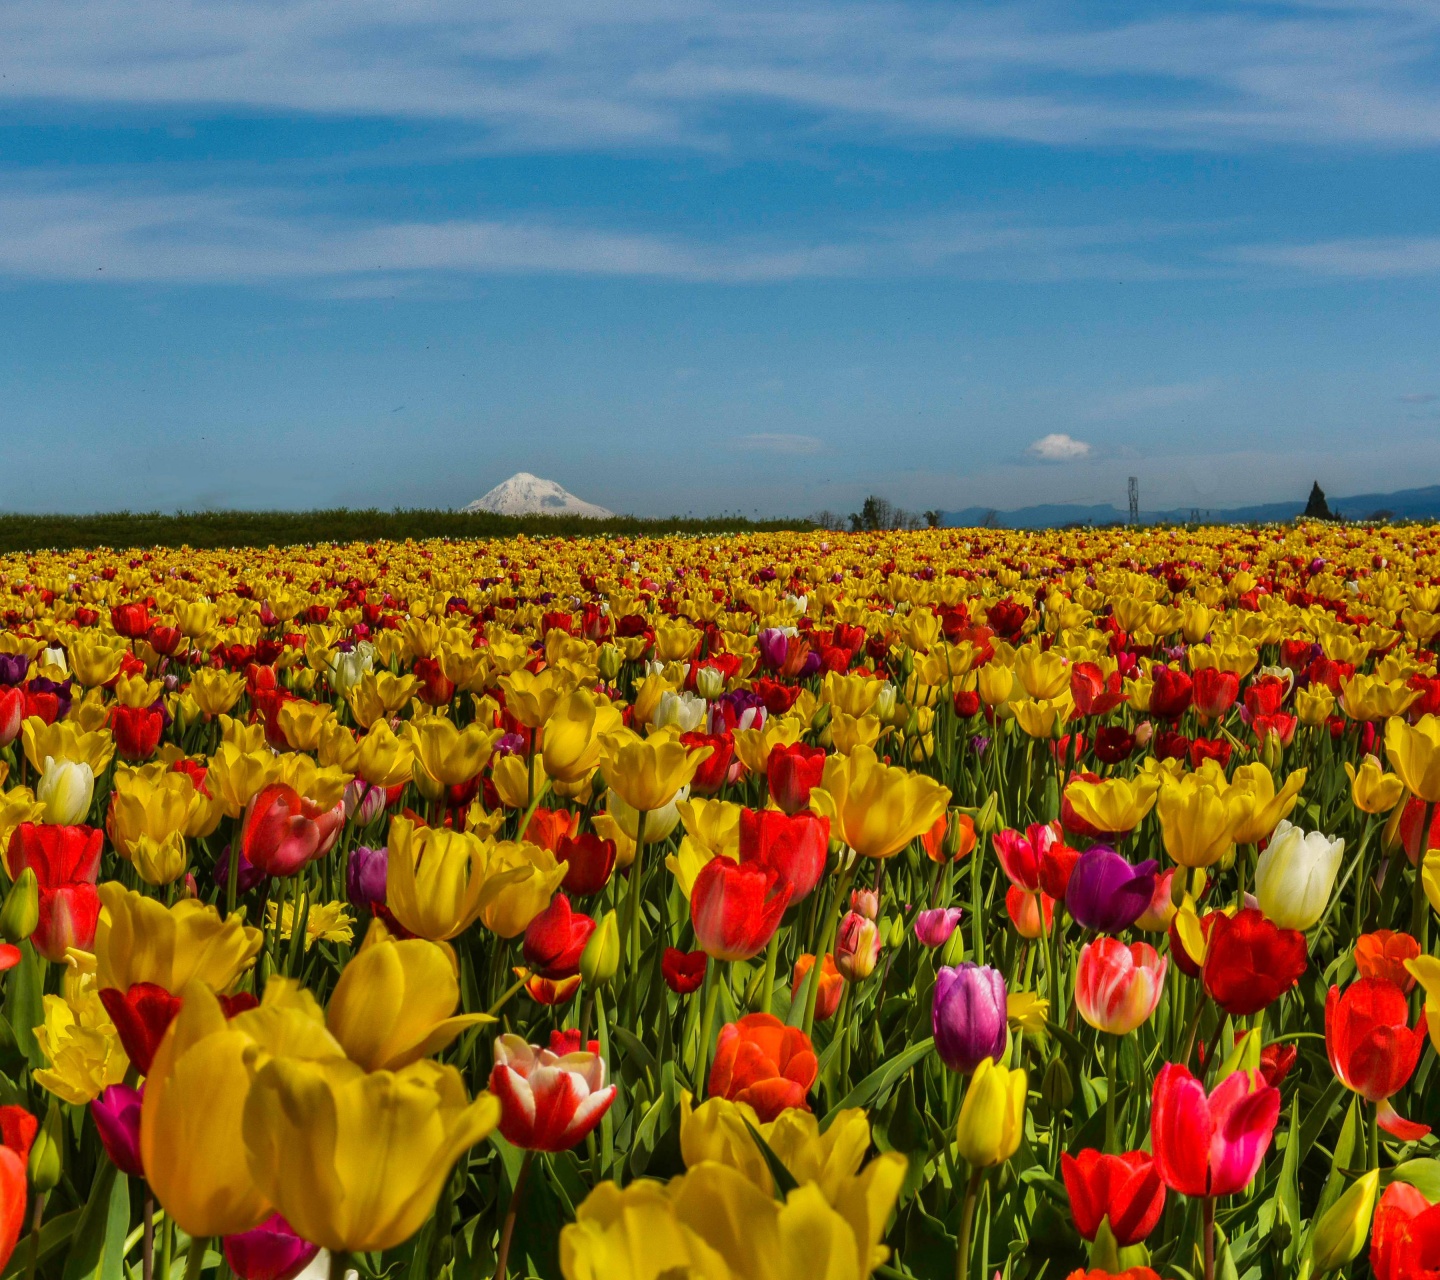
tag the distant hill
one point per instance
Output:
(527, 495)
(1404, 504)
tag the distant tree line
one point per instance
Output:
(877, 514)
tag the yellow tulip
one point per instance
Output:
(532, 698)
(65, 740)
(648, 696)
(848, 732)
(1314, 705)
(147, 820)
(753, 746)
(383, 758)
(322, 785)
(378, 695)
(1426, 971)
(572, 735)
(1198, 819)
(1113, 805)
(16, 806)
(216, 690)
(196, 618)
(1267, 806)
(874, 808)
(136, 691)
(992, 1116)
(528, 876)
(1044, 673)
(236, 776)
(395, 1002)
(1042, 719)
(244, 737)
(367, 1175)
(854, 695)
(79, 1041)
(139, 939)
(1414, 754)
(713, 1223)
(1372, 790)
(675, 641)
(995, 683)
(646, 773)
(336, 746)
(446, 756)
(1370, 698)
(715, 824)
(512, 778)
(94, 661)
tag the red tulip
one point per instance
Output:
(1093, 692)
(715, 771)
(761, 1061)
(1124, 1188)
(1265, 697)
(1251, 962)
(793, 846)
(793, 772)
(131, 620)
(1170, 692)
(17, 1127)
(735, 907)
(683, 971)
(588, 861)
(66, 862)
(550, 991)
(1276, 1060)
(1020, 855)
(144, 1011)
(550, 826)
(1214, 692)
(549, 1102)
(12, 713)
(137, 731)
(1024, 911)
(283, 830)
(1130, 1273)
(1210, 1146)
(1113, 743)
(1405, 1235)
(555, 939)
(1372, 1048)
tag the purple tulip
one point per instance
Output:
(934, 928)
(365, 877)
(13, 667)
(116, 1113)
(773, 645)
(510, 744)
(811, 665)
(248, 877)
(968, 1016)
(980, 743)
(271, 1251)
(1106, 893)
(364, 802)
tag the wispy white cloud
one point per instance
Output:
(1134, 401)
(1372, 257)
(667, 71)
(1059, 447)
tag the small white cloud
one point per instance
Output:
(1058, 447)
(778, 442)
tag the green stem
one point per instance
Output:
(1112, 1057)
(507, 1232)
(767, 990)
(35, 1221)
(195, 1258)
(967, 1221)
(707, 1022)
(1207, 1227)
(338, 1260)
(1420, 907)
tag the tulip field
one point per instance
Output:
(768, 906)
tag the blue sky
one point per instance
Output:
(690, 256)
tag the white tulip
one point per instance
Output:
(1295, 875)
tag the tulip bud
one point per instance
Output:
(1340, 1233)
(952, 953)
(885, 703)
(1272, 752)
(45, 1162)
(601, 956)
(609, 661)
(20, 915)
(1056, 1086)
(1143, 733)
(709, 683)
(866, 902)
(988, 819)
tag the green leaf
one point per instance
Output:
(54, 1236)
(885, 1075)
(1317, 1118)
(88, 1248)
(1423, 1175)
(784, 1181)
(1287, 1190)
(1352, 1137)
(24, 1009)
(634, 1049)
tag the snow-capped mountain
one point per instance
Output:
(527, 495)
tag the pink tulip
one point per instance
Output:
(271, 1251)
(1211, 1146)
(1118, 987)
(934, 928)
(283, 830)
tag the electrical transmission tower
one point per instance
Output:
(1134, 500)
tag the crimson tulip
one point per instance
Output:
(1170, 692)
(683, 971)
(793, 846)
(1123, 1189)
(555, 939)
(762, 1062)
(116, 1113)
(714, 772)
(588, 860)
(1405, 1235)
(1092, 691)
(1250, 961)
(792, 772)
(271, 1251)
(143, 1012)
(131, 620)
(1214, 692)
(1210, 1146)
(12, 714)
(137, 731)
(66, 862)
(735, 907)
